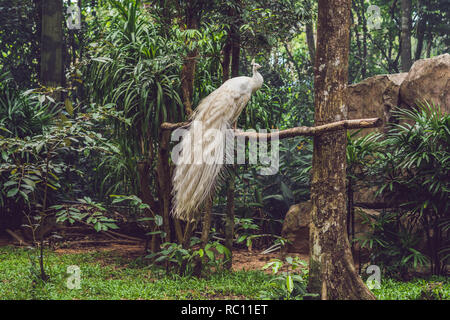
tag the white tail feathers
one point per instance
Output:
(203, 146)
(202, 156)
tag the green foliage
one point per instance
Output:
(417, 167)
(243, 234)
(106, 276)
(134, 69)
(269, 197)
(287, 285)
(362, 153)
(434, 288)
(392, 245)
(244, 229)
(183, 261)
(23, 113)
(95, 217)
(175, 258)
(377, 50)
(133, 201)
(19, 41)
(218, 255)
(432, 291)
(34, 164)
(410, 166)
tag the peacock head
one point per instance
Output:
(255, 66)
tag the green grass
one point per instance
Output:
(412, 290)
(108, 276)
(104, 276)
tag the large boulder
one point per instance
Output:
(428, 79)
(296, 228)
(374, 97)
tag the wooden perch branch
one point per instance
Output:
(297, 131)
(314, 131)
(173, 126)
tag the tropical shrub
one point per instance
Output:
(287, 285)
(412, 166)
(417, 176)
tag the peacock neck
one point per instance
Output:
(257, 80)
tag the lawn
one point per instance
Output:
(106, 275)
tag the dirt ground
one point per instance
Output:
(242, 259)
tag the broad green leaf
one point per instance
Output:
(69, 106)
(289, 283)
(12, 192)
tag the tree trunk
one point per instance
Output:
(207, 221)
(429, 43)
(364, 41)
(164, 182)
(332, 273)
(310, 41)
(357, 38)
(229, 219)
(147, 197)
(421, 28)
(309, 26)
(192, 19)
(350, 214)
(235, 51)
(198, 262)
(226, 59)
(187, 80)
(52, 70)
(406, 35)
(235, 41)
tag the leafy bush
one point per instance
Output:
(20, 40)
(411, 165)
(433, 288)
(416, 170)
(186, 261)
(287, 285)
(134, 68)
(23, 113)
(392, 245)
(33, 169)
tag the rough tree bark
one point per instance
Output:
(405, 54)
(226, 52)
(332, 273)
(310, 34)
(146, 195)
(429, 43)
(364, 40)
(235, 55)
(310, 41)
(192, 17)
(421, 28)
(163, 174)
(51, 72)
